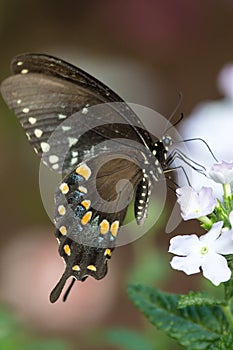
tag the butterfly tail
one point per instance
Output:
(56, 292)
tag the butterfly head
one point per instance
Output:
(167, 142)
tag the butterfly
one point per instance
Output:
(99, 140)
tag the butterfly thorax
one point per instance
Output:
(160, 150)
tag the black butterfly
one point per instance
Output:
(51, 97)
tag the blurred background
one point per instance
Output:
(147, 51)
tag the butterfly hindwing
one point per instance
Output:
(91, 205)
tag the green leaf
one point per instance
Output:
(229, 284)
(194, 327)
(129, 340)
(225, 343)
(198, 298)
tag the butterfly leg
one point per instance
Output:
(178, 154)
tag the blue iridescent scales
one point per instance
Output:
(45, 91)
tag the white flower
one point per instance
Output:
(221, 172)
(195, 204)
(203, 252)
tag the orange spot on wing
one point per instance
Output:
(86, 218)
(114, 228)
(64, 188)
(91, 267)
(104, 227)
(84, 171)
(86, 203)
(82, 189)
(108, 252)
(67, 249)
(63, 230)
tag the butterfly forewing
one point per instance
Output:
(49, 65)
(45, 92)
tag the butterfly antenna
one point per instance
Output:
(174, 112)
(202, 140)
(68, 290)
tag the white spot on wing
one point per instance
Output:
(85, 110)
(74, 153)
(26, 110)
(61, 116)
(53, 159)
(32, 120)
(24, 71)
(74, 160)
(38, 133)
(65, 128)
(45, 146)
(55, 166)
(72, 141)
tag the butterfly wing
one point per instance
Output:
(91, 204)
(45, 91)
(53, 101)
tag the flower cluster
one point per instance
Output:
(207, 252)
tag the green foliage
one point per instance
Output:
(194, 327)
(129, 340)
(150, 267)
(46, 345)
(198, 298)
(13, 336)
(225, 343)
(229, 284)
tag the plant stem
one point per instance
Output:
(227, 190)
(227, 312)
(205, 220)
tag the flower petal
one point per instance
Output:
(221, 172)
(183, 245)
(189, 264)
(213, 233)
(207, 200)
(188, 201)
(195, 204)
(215, 268)
(224, 244)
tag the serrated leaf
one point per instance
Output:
(194, 327)
(225, 343)
(198, 298)
(129, 340)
